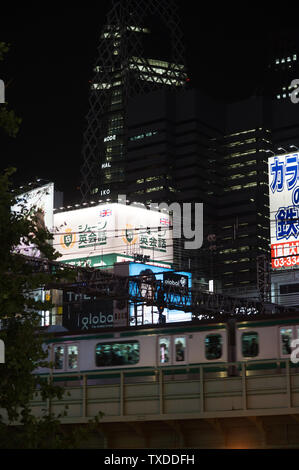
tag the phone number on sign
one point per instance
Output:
(285, 262)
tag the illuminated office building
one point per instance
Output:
(173, 156)
(140, 50)
(243, 207)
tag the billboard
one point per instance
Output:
(112, 228)
(284, 210)
(84, 313)
(147, 314)
(41, 199)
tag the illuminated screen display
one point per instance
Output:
(147, 314)
(42, 200)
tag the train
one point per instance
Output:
(174, 348)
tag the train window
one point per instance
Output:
(164, 347)
(117, 354)
(213, 346)
(59, 357)
(72, 357)
(285, 340)
(250, 344)
(180, 349)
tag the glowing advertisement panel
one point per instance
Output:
(112, 228)
(42, 200)
(143, 314)
(284, 210)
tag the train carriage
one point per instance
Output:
(176, 346)
(266, 339)
(177, 349)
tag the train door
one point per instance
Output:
(65, 357)
(179, 349)
(286, 335)
(172, 350)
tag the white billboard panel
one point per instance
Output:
(113, 228)
(284, 210)
(41, 199)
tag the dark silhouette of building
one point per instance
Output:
(140, 50)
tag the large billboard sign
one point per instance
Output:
(176, 281)
(112, 228)
(41, 200)
(284, 210)
(83, 313)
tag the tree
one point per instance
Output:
(19, 313)
(20, 319)
(9, 122)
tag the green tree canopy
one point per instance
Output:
(20, 322)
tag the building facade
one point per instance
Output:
(140, 50)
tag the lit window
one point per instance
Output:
(157, 188)
(250, 344)
(72, 357)
(59, 357)
(164, 344)
(117, 354)
(180, 349)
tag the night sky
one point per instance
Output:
(51, 60)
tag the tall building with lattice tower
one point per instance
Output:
(140, 50)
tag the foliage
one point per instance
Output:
(9, 122)
(20, 278)
(19, 313)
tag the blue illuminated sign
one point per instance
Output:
(147, 314)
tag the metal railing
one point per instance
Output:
(202, 385)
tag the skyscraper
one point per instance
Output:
(140, 50)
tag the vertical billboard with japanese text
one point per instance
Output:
(41, 201)
(92, 233)
(284, 210)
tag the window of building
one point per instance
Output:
(250, 344)
(289, 288)
(213, 347)
(117, 354)
(156, 188)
